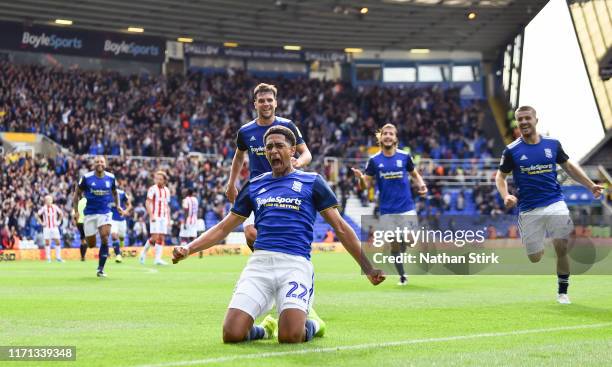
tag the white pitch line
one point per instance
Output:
(372, 345)
(148, 270)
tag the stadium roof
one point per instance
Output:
(312, 24)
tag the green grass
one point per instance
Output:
(144, 315)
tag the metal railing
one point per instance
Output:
(472, 171)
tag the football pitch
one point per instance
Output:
(172, 316)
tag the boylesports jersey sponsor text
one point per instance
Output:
(279, 202)
(536, 169)
(391, 174)
(99, 192)
(258, 150)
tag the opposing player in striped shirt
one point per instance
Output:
(189, 226)
(50, 216)
(158, 209)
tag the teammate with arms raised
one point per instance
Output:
(99, 188)
(388, 167)
(250, 141)
(158, 197)
(119, 225)
(286, 202)
(50, 216)
(532, 159)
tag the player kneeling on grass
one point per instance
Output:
(285, 202)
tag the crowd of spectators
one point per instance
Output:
(106, 113)
(167, 117)
(25, 182)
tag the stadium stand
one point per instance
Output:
(156, 121)
(107, 113)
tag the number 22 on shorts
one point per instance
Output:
(293, 292)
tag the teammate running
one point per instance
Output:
(99, 188)
(532, 159)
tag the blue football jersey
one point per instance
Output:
(250, 137)
(98, 191)
(123, 202)
(285, 210)
(392, 181)
(534, 170)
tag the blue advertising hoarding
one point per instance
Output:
(69, 41)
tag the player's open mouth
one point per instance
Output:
(276, 162)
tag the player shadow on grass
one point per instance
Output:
(272, 346)
(418, 288)
(580, 312)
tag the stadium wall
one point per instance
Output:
(134, 252)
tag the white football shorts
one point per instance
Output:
(159, 226)
(119, 227)
(189, 230)
(273, 277)
(92, 222)
(552, 220)
(51, 233)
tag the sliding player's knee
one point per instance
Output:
(291, 334)
(234, 333)
(91, 241)
(291, 326)
(534, 258)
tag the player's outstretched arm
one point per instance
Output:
(418, 180)
(38, 218)
(502, 186)
(351, 243)
(578, 175)
(149, 207)
(305, 156)
(128, 204)
(363, 181)
(209, 238)
(75, 202)
(116, 199)
(231, 191)
(60, 213)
